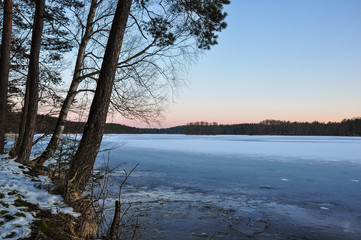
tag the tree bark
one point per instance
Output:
(14, 152)
(81, 165)
(33, 83)
(60, 125)
(4, 67)
(114, 226)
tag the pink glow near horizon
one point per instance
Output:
(172, 122)
(177, 119)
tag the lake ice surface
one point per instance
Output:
(240, 187)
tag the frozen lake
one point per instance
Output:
(240, 187)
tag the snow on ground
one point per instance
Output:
(15, 186)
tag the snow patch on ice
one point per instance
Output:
(287, 148)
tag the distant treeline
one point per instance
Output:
(46, 124)
(348, 127)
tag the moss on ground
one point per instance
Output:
(8, 217)
(5, 205)
(19, 214)
(11, 235)
(23, 203)
(52, 226)
(15, 193)
(3, 212)
(45, 227)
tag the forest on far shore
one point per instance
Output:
(347, 127)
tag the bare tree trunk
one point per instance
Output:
(114, 226)
(4, 67)
(33, 79)
(14, 152)
(60, 125)
(81, 165)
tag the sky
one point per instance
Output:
(280, 59)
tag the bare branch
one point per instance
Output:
(139, 28)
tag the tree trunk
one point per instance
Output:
(33, 79)
(4, 67)
(115, 223)
(14, 152)
(60, 125)
(81, 165)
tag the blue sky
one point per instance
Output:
(287, 60)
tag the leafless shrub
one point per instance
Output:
(101, 197)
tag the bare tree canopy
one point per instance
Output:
(161, 38)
